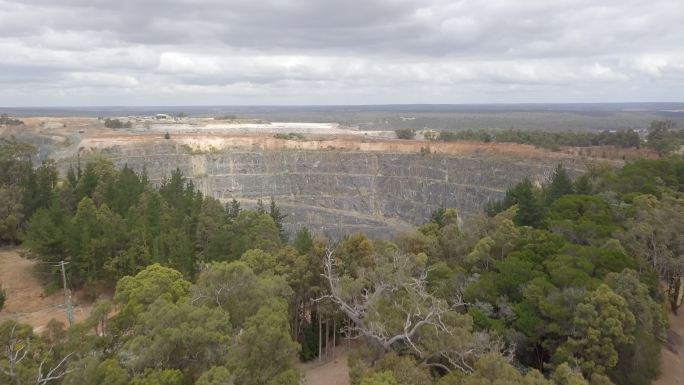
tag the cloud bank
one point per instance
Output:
(175, 52)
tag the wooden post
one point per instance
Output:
(67, 296)
(348, 333)
(334, 337)
(327, 336)
(320, 329)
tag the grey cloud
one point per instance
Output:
(424, 28)
(283, 50)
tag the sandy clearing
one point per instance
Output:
(26, 302)
(330, 372)
(672, 368)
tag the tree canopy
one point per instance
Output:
(560, 282)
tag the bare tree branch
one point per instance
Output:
(58, 371)
(404, 288)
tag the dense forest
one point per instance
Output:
(564, 282)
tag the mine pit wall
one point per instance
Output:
(338, 192)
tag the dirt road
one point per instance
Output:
(330, 372)
(672, 370)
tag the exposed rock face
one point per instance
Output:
(342, 190)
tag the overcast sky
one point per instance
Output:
(196, 52)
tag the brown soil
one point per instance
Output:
(26, 302)
(672, 369)
(327, 372)
(59, 126)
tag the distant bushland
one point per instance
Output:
(405, 133)
(116, 123)
(547, 139)
(5, 119)
(289, 136)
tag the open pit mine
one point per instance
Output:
(332, 179)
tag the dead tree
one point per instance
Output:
(448, 342)
(17, 349)
(56, 372)
(426, 311)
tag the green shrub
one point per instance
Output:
(405, 133)
(289, 136)
(3, 297)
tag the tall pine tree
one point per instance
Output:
(530, 211)
(561, 184)
(278, 216)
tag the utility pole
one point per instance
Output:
(67, 296)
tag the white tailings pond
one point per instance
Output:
(265, 128)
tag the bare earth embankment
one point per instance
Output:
(26, 302)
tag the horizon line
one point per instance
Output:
(342, 105)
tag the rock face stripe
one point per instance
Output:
(337, 192)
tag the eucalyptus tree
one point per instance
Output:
(389, 305)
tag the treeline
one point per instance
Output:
(114, 229)
(117, 123)
(662, 136)
(6, 120)
(547, 139)
(561, 283)
(226, 117)
(111, 223)
(289, 136)
(23, 188)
